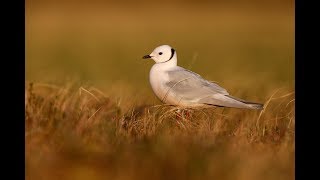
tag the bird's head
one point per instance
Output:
(162, 54)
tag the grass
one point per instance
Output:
(89, 135)
(91, 114)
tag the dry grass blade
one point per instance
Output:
(286, 95)
(94, 114)
(290, 102)
(265, 107)
(92, 95)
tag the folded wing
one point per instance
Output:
(191, 86)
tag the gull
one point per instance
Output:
(178, 86)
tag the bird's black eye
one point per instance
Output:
(160, 53)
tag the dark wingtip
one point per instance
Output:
(256, 106)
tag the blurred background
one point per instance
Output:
(247, 46)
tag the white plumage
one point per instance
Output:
(178, 86)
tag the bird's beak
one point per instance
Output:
(146, 57)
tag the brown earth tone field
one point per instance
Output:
(91, 113)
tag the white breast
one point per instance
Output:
(158, 78)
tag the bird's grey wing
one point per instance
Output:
(191, 86)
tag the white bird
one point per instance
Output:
(175, 85)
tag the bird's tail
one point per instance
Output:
(250, 105)
(254, 105)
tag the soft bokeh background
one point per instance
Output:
(247, 46)
(236, 43)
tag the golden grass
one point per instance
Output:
(76, 132)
